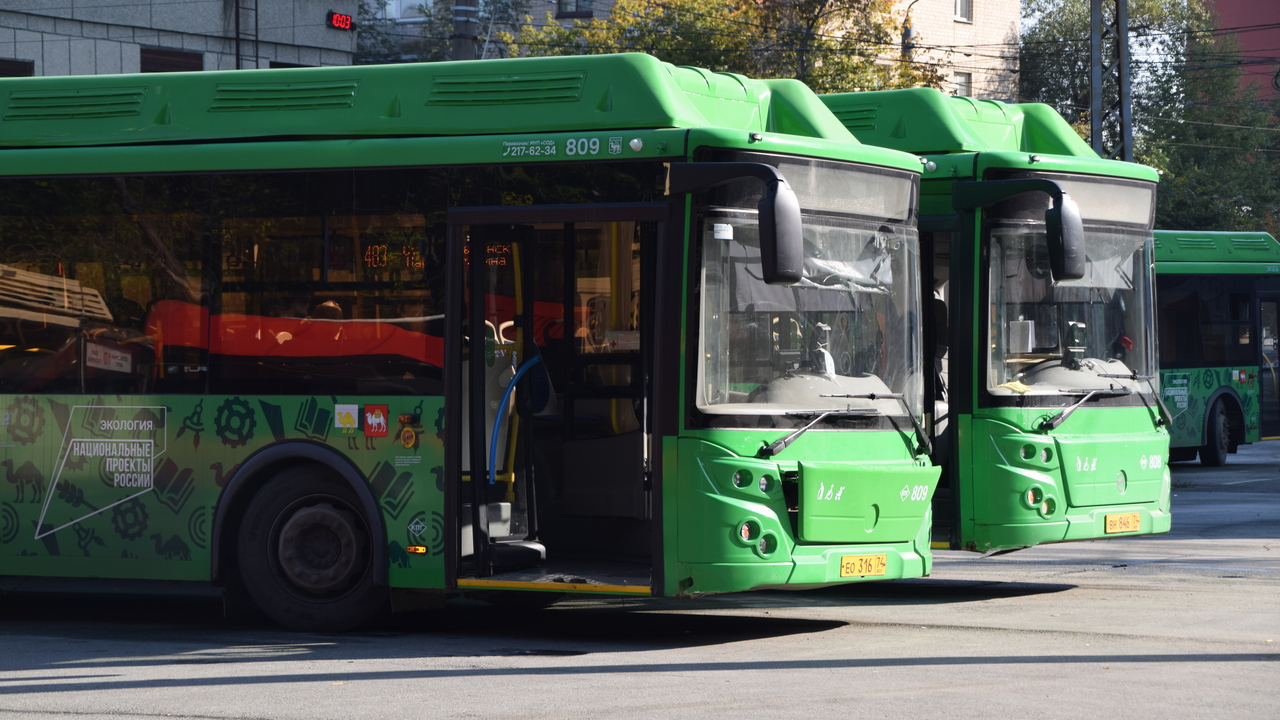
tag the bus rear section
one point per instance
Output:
(1039, 268)
(401, 349)
(1217, 296)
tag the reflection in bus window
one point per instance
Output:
(79, 285)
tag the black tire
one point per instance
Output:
(1217, 437)
(305, 553)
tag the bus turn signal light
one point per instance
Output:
(417, 549)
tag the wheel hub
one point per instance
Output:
(319, 548)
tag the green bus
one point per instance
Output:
(335, 337)
(1038, 260)
(1217, 295)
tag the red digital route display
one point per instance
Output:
(340, 21)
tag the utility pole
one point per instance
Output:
(1110, 104)
(466, 23)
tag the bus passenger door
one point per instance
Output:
(552, 449)
(1269, 368)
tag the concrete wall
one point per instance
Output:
(93, 37)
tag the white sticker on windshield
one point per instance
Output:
(722, 231)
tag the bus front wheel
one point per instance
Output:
(1217, 437)
(305, 555)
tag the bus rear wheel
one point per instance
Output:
(1217, 437)
(305, 555)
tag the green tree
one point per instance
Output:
(1215, 143)
(377, 39)
(830, 45)
(384, 41)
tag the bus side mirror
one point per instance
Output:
(1064, 231)
(781, 233)
(1064, 228)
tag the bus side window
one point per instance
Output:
(328, 290)
(79, 284)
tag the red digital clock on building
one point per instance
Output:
(340, 21)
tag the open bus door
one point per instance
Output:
(1269, 365)
(547, 463)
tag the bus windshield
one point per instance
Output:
(845, 336)
(1076, 336)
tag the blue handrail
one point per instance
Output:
(502, 407)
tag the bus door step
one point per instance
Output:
(517, 553)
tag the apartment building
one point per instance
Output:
(94, 37)
(974, 43)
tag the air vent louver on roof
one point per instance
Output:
(506, 89)
(858, 118)
(74, 104)
(1197, 244)
(255, 97)
(1253, 245)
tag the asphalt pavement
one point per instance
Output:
(1183, 625)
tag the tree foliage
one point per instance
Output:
(384, 41)
(830, 45)
(1215, 142)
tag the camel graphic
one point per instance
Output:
(174, 548)
(376, 422)
(220, 478)
(26, 475)
(347, 421)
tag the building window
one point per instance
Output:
(964, 84)
(964, 11)
(579, 9)
(166, 60)
(276, 64)
(17, 68)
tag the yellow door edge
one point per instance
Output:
(557, 586)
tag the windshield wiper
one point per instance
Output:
(778, 446)
(1164, 416)
(920, 433)
(1061, 417)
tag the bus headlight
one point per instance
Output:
(1035, 496)
(767, 544)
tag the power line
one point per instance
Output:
(1221, 147)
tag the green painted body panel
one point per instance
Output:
(858, 502)
(1187, 393)
(1074, 469)
(324, 154)
(925, 121)
(964, 139)
(496, 112)
(978, 135)
(555, 94)
(712, 555)
(127, 486)
(1188, 252)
